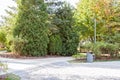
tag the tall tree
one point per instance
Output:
(7, 25)
(65, 24)
(31, 31)
(103, 11)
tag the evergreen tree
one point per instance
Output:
(55, 45)
(31, 31)
(65, 22)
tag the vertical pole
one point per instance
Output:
(95, 30)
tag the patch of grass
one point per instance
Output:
(84, 61)
(77, 61)
(12, 77)
(107, 60)
(79, 56)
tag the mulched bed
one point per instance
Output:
(96, 60)
(9, 77)
(17, 56)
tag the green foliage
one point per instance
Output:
(88, 46)
(6, 38)
(8, 25)
(12, 77)
(65, 23)
(79, 56)
(2, 38)
(55, 45)
(31, 28)
(113, 38)
(105, 48)
(104, 11)
(99, 48)
(9, 42)
(19, 48)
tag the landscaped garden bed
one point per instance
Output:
(17, 56)
(82, 58)
(9, 77)
(96, 60)
(6, 76)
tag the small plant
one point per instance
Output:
(4, 75)
(2, 38)
(79, 56)
(3, 67)
(3, 70)
(12, 77)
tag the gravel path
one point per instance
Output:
(83, 71)
(60, 69)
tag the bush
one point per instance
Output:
(6, 36)
(9, 42)
(79, 56)
(55, 45)
(70, 43)
(105, 48)
(17, 46)
(5, 76)
(64, 21)
(99, 48)
(88, 46)
(2, 38)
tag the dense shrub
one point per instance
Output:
(19, 48)
(70, 43)
(105, 48)
(2, 38)
(9, 42)
(55, 45)
(88, 47)
(65, 23)
(99, 48)
(31, 27)
(79, 56)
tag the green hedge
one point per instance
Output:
(99, 48)
(64, 21)
(55, 45)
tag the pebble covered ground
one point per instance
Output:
(60, 69)
(79, 71)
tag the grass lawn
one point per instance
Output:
(98, 60)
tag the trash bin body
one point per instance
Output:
(90, 57)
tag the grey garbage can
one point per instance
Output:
(90, 57)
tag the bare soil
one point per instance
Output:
(17, 56)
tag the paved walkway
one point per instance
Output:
(60, 69)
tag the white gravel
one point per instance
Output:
(60, 69)
(80, 71)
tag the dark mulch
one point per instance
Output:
(17, 56)
(96, 60)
